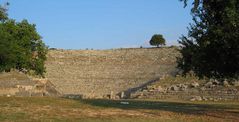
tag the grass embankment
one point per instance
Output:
(59, 109)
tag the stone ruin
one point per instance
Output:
(209, 91)
(107, 73)
(19, 84)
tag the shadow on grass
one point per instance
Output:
(179, 107)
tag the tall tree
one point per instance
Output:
(21, 47)
(211, 48)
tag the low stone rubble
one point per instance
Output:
(210, 91)
(195, 85)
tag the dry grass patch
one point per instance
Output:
(59, 109)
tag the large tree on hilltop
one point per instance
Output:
(211, 47)
(157, 40)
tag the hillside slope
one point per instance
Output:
(96, 73)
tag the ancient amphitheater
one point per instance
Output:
(98, 73)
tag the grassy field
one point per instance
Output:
(60, 109)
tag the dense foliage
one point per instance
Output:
(21, 46)
(3, 12)
(211, 48)
(157, 40)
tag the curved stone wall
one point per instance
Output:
(96, 73)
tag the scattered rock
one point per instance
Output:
(211, 99)
(203, 88)
(236, 83)
(183, 87)
(160, 89)
(151, 90)
(215, 100)
(209, 84)
(140, 96)
(215, 82)
(195, 84)
(225, 83)
(145, 90)
(204, 98)
(174, 88)
(117, 97)
(192, 99)
(232, 91)
(106, 96)
(196, 98)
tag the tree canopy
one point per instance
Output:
(211, 47)
(3, 12)
(21, 46)
(157, 40)
(196, 3)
